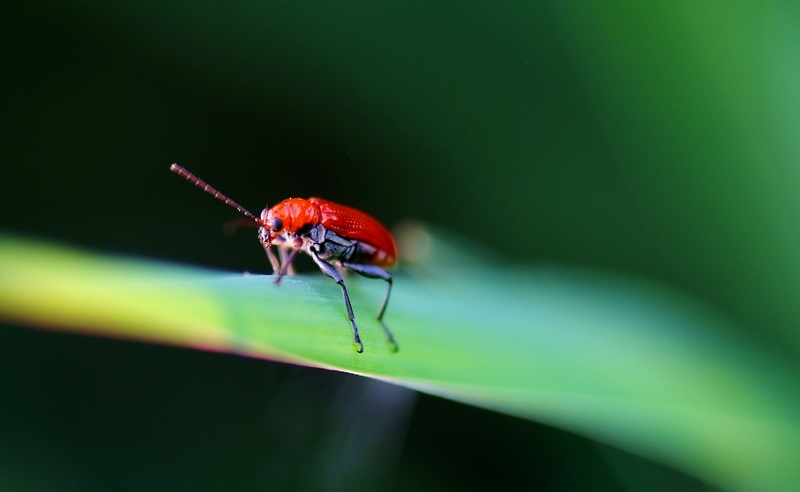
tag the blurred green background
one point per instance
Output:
(652, 141)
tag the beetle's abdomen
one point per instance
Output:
(356, 225)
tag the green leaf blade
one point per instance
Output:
(617, 359)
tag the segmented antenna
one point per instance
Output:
(181, 171)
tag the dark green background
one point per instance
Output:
(653, 141)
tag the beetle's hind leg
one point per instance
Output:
(372, 271)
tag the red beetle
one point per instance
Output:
(329, 233)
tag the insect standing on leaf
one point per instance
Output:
(330, 233)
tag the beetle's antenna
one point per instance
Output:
(181, 171)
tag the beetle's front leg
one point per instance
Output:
(287, 263)
(263, 239)
(284, 258)
(330, 271)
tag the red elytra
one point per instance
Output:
(326, 231)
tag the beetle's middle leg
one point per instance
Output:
(330, 271)
(372, 271)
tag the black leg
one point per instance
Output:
(330, 271)
(372, 271)
(276, 266)
(286, 265)
(287, 262)
(284, 257)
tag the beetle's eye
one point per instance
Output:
(277, 225)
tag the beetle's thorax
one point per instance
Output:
(294, 215)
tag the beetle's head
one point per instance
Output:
(273, 221)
